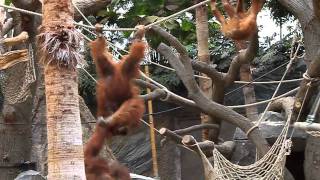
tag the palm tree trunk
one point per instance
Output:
(65, 150)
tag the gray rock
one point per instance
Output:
(30, 175)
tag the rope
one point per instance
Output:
(300, 111)
(292, 58)
(263, 75)
(265, 101)
(137, 176)
(33, 13)
(177, 14)
(131, 29)
(114, 47)
(307, 77)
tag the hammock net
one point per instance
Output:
(270, 167)
(16, 80)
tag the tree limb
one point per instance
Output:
(90, 7)
(285, 104)
(183, 67)
(87, 7)
(209, 70)
(207, 146)
(21, 38)
(196, 128)
(171, 39)
(244, 57)
(307, 126)
(144, 84)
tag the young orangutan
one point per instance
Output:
(119, 107)
(240, 25)
(115, 79)
(96, 167)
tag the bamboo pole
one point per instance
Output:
(152, 134)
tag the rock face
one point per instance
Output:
(134, 151)
(30, 175)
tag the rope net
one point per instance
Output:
(15, 81)
(270, 167)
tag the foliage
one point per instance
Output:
(7, 2)
(123, 13)
(279, 13)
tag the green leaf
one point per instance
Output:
(7, 2)
(186, 25)
(151, 19)
(171, 24)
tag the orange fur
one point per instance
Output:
(118, 101)
(115, 79)
(240, 25)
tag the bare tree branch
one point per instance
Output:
(155, 94)
(196, 128)
(90, 7)
(285, 104)
(87, 7)
(207, 146)
(21, 38)
(244, 57)
(183, 67)
(171, 39)
(209, 70)
(143, 84)
(307, 126)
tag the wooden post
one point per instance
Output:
(152, 134)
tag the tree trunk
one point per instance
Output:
(65, 150)
(248, 91)
(39, 149)
(170, 155)
(204, 56)
(312, 157)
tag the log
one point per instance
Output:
(21, 38)
(307, 126)
(12, 58)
